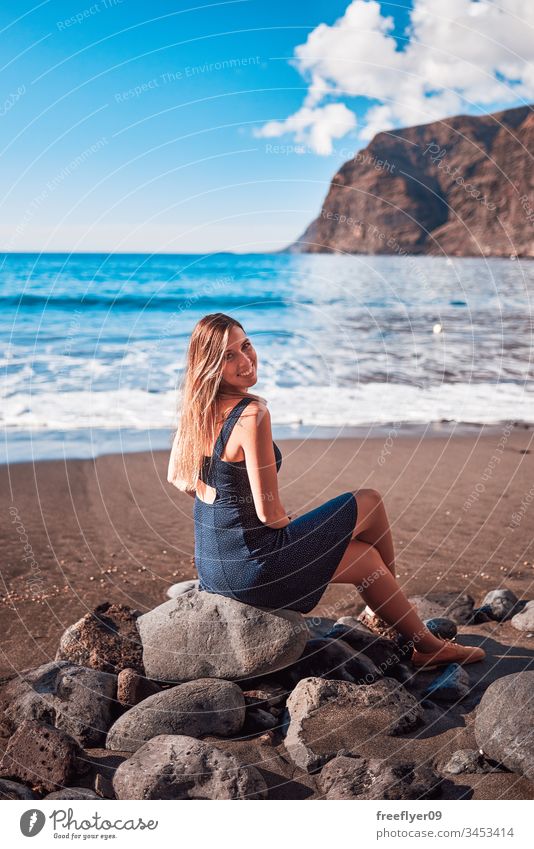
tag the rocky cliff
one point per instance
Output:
(463, 186)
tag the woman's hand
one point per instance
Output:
(181, 485)
(283, 522)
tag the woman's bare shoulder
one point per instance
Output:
(257, 405)
(254, 414)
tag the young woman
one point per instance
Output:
(246, 546)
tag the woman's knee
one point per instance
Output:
(368, 501)
(371, 497)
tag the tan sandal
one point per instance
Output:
(449, 652)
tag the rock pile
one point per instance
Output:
(163, 696)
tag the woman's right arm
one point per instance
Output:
(257, 442)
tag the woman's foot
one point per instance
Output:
(449, 652)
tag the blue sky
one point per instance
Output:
(191, 127)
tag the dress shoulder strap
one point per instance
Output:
(228, 426)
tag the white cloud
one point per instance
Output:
(317, 127)
(461, 56)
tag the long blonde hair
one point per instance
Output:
(197, 396)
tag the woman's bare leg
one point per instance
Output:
(363, 566)
(372, 525)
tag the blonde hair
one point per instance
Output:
(197, 396)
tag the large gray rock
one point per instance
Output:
(358, 778)
(180, 767)
(106, 639)
(504, 722)
(196, 708)
(203, 635)
(326, 716)
(451, 605)
(501, 602)
(524, 620)
(76, 699)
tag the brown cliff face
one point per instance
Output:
(463, 186)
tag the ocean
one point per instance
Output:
(93, 346)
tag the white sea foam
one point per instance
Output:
(321, 406)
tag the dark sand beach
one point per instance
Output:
(113, 529)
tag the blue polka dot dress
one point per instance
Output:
(238, 556)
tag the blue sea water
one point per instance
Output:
(93, 346)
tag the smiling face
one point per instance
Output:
(239, 364)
